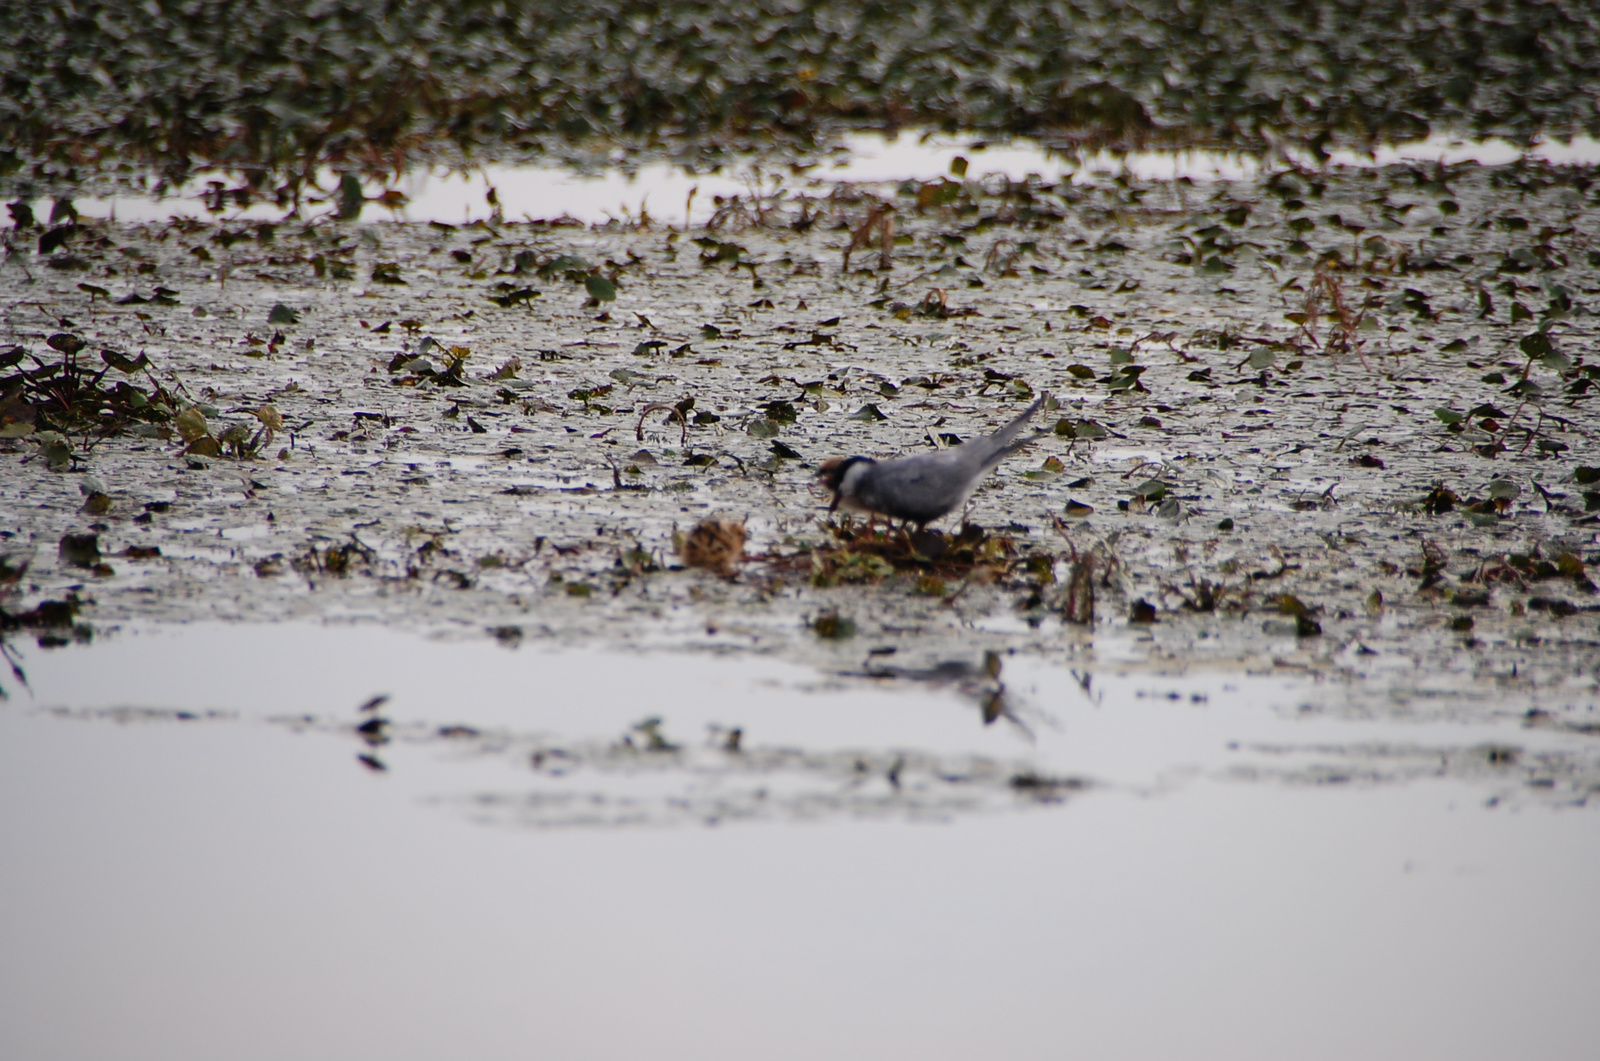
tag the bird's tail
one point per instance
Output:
(1007, 450)
(1002, 443)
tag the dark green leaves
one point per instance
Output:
(1151, 490)
(350, 197)
(781, 412)
(1125, 378)
(568, 265)
(56, 238)
(508, 295)
(66, 342)
(1536, 345)
(124, 363)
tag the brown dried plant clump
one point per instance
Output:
(868, 554)
(717, 545)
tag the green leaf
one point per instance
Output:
(1051, 469)
(599, 288)
(1449, 416)
(124, 363)
(56, 450)
(282, 314)
(562, 263)
(56, 238)
(833, 626)
(782, 412)
(192, 424)
(1536, 344)
(867, 412)
(351, 198)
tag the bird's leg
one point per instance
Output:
(903, 532)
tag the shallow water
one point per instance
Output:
(242, 865)
(527, 191)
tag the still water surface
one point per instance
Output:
(239, 885)
(663, 190)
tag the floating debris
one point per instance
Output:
(715, 545)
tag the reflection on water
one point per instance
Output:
(184, 816)
(601, 738)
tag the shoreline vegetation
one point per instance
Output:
(273, 92)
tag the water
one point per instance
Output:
(172, 881)
(663, 191)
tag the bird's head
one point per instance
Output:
(841, 475)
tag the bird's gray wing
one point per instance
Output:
(923, 487)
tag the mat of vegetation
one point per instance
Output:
(1339, 423)
(276, 89)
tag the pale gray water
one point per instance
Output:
(235, 885)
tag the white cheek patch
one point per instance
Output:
(850, 484)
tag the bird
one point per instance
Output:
(921, 488)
